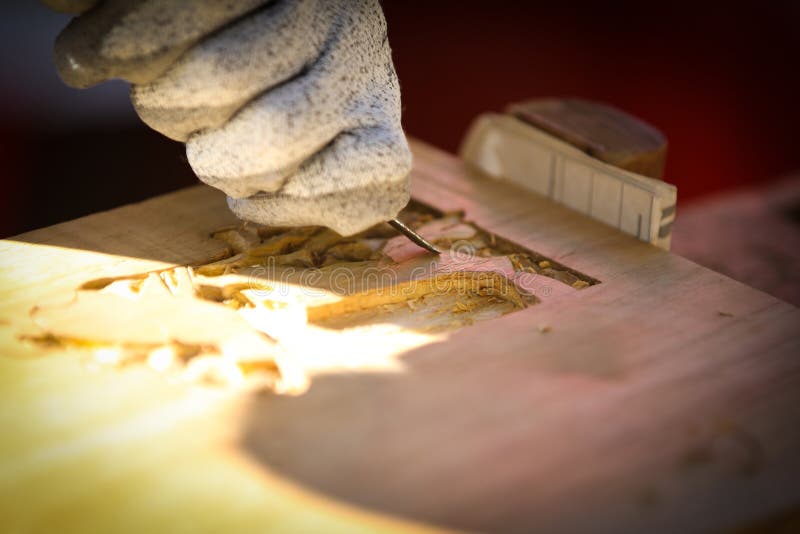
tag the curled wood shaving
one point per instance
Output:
(484, 283)
(352, 251)
(179, 282)
(227, 265)
(238, 239)
(282, 243)
(265, 232)
(461, 307)
(322, 241)
(299, 258)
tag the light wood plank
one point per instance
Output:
(665, 398)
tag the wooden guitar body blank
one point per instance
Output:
(655, 396)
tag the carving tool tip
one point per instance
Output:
(413, 236)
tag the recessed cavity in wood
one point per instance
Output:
(278, 305)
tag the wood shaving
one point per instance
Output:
(491, 284)
(460, 307)
(227, 265)
(322, 241)
(282, 243)
(239, 240)
(351, 251)
(299, 258)
(265, 232)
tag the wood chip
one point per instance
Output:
(283, 243)
(265, 232)
(485, 283)
(238, 239)
(322, 241)
(352, 251)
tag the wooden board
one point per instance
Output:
(665, 398)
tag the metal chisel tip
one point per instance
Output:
(413, 236)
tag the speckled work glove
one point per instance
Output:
(291, 107)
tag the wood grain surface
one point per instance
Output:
(602, 131)
(665, 398)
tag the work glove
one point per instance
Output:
(291, 107)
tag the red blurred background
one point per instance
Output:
(720, 82)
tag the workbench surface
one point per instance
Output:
(665, 398)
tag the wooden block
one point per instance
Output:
(661, 399)
(507, 148)
(602, 131)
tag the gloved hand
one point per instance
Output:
(291, 107)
